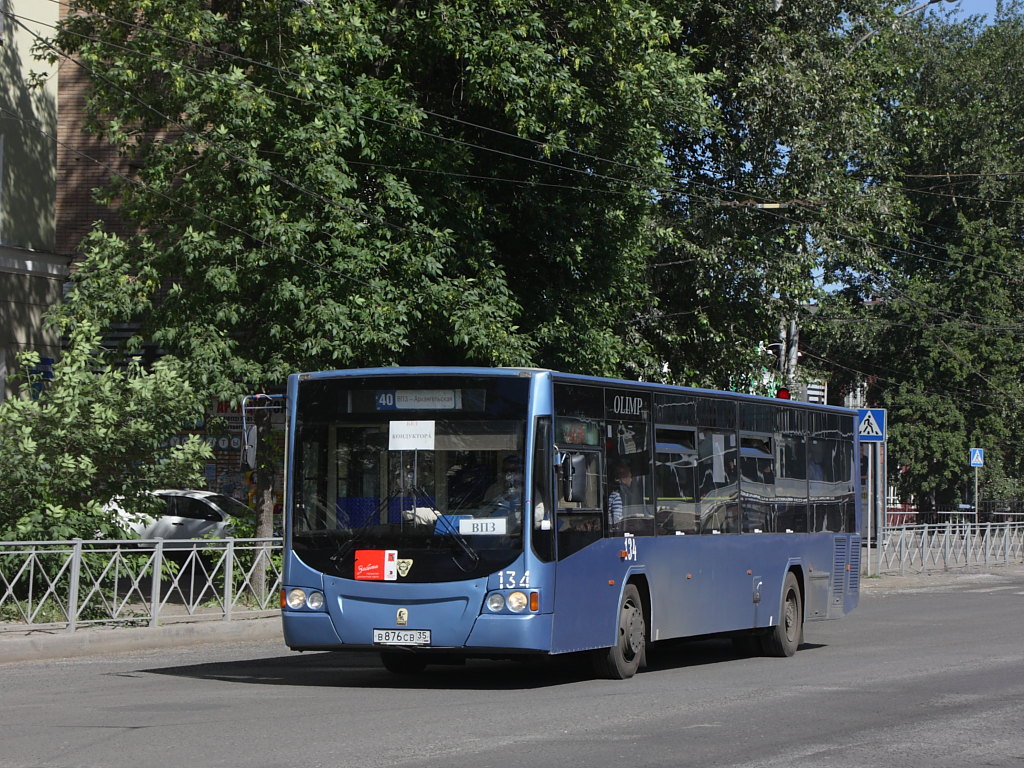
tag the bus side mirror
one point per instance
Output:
(574, 477)
(249, 447)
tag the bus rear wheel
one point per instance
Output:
(623, 659)
(784, 638)
(403, 663)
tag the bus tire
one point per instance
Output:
(623, 659)
(785, 637)
(403, 663)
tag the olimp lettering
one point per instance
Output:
(630, 406)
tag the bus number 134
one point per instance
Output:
(508, 580)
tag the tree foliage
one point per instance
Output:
(625, 187)
(936, 328)
(561, 184)
(91, 433)
(348, 183)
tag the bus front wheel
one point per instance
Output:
(623, 659)
(784, 638)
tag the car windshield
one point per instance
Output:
(431, 472)
(232, 506)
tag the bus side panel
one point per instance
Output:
(707, 584)
(681, 583)
(588, 586)
(710, 584)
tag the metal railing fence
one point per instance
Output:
(79, 583)
(947, 546)
(73, 584)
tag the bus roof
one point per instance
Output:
(575, 378)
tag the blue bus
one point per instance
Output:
(437, 514)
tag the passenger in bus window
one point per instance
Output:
(624, 494)
(505, 496)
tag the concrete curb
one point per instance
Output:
(43, 645)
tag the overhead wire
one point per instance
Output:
(376, 97)
(243, 161)
(757, 201)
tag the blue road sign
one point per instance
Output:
(871, 424)
(977, 457)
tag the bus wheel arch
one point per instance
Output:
(629, 653)
(787, 634)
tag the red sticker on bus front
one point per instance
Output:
(376, 564)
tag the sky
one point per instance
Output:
(972, 7)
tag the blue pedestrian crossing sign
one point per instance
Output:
(977, 457)
(871, 424)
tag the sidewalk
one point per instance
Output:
(891, 582)
(41, 645)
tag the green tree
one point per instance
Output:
(91, 433)
(565, 184)
(772, 199)
(317, 189)
(935, 328)
(332, 184)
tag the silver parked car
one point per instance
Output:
(189, 515)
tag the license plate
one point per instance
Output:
(401, 636)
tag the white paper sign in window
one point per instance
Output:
(411, 436)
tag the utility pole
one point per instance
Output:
(789, 350)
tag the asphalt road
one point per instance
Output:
(925, 673)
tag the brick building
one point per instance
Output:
(32, 265)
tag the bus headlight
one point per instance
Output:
(517, 601)
(315, 601)
(296, 599)
(495, 602)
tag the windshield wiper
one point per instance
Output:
(345, 547)
(449, 528)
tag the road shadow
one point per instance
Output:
(341, 669)
(699, 652)
(344, 669)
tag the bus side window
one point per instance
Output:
(791, 485)
(718, 486)
(757, 482)
(543, 492)
(675, 481)
(579, 521)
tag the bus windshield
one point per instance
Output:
(418, 476)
